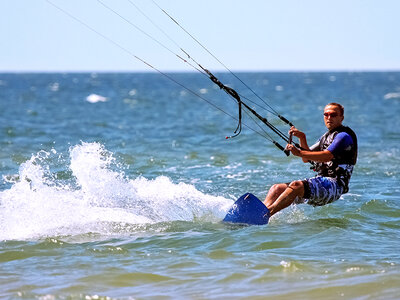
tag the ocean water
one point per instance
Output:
(113, 186)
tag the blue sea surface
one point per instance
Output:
(113, 185)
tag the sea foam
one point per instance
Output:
(97, 194)
(94, 98)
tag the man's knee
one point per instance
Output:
(278, 188)
(298, 187)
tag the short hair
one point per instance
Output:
(341, 108)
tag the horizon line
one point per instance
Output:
(355, 70)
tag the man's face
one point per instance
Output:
(332, 117)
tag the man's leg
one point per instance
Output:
(282, 195)
(274, 192)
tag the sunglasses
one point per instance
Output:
(332, 115)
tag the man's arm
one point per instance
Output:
(318, 156)
(341, 142)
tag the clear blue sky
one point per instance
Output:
(253, 35)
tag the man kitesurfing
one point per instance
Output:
(333, 158)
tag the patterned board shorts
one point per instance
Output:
(320, 191)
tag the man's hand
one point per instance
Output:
(297, 133)
(294, 150)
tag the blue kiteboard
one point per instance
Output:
(248, 209)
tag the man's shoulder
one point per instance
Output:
(347, 130)
(344, 137)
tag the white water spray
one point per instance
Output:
(39, 205)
